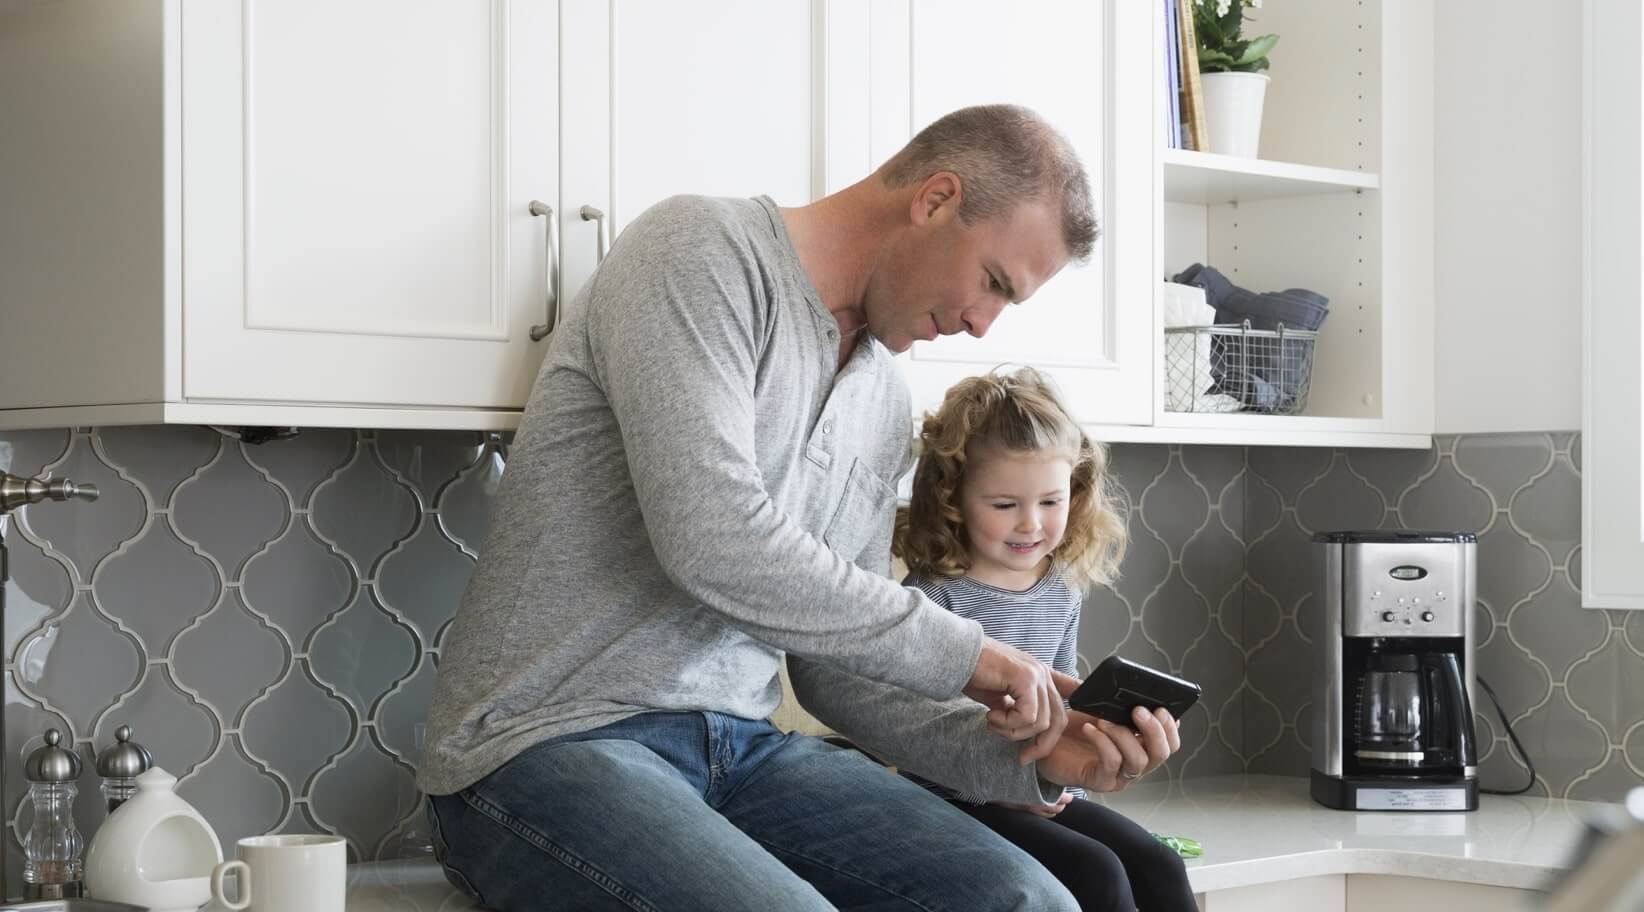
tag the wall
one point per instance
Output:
(267, 617)
(1218, 586)
(264, 617)
(1570, 679)
(1507, 214)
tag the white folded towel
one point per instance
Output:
(1184, 305)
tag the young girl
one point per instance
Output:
(1010, 518)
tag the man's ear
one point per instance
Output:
(937, 198)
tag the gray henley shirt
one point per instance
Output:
(697, 490)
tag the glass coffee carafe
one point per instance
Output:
(1391, 711)
(1411, 712)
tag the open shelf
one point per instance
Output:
(1251, 429)
(1209, 179)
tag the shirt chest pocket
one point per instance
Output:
(863, 509)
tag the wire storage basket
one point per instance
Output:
(1232, 368)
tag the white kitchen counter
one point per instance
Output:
(1254, 829)
(1260, 829)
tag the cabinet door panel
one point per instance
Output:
(709, 97)
(1091, 326)
(1612, 445)
(726, 113)
(356, 199)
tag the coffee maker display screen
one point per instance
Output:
(1407, 572)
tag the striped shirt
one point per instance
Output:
(1042, 621)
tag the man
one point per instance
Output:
(701, 486)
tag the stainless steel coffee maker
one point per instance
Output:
(1393, 671)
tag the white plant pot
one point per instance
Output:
(1233, 111)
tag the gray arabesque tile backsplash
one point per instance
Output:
(267, 617)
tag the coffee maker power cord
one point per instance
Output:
(1511, 736)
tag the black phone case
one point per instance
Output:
(1118, 686)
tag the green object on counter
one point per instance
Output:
(1181, 845)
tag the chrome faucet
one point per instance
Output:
(17, 492)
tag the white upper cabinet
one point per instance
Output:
(1339, 202)
(356, 210)
(1086, 67)
(667, 97)
(367, 212)
(294, 212)
(1612, 469)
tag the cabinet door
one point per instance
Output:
(357, 180)
(710, 97)
(1612, 445)
(1085, 67)
(1325, 893)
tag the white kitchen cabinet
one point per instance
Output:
(356, 185)
(710, 97)
(276, 213)
(321, 213)
(1325, 893)
(1081, 66)
(1340, 202)
(1373, 892)
(1612, 516)
(1367, 893)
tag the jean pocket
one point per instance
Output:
(442, 854)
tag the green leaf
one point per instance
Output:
(1208, 29)
(1214, 61)
(1256, 49)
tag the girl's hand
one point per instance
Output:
(1043, 810)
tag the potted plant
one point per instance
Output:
(1230, 70)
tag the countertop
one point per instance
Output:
(1260, 829)
(1254, 829)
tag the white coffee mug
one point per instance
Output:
(287, 874)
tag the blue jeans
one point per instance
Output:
(690, 810)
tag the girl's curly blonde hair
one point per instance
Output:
(1018, 412)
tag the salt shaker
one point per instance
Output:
(52, 867)
(119, 767)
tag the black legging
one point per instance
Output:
(1108, 862)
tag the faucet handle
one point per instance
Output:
(16, 491)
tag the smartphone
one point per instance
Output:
(1118, 686)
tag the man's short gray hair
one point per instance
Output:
(1005, 155)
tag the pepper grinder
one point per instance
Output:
(52, 867)
(119, 767)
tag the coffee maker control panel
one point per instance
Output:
(1404, 590)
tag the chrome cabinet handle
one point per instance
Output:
(538, 333)
(590, 214)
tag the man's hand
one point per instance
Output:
(1021, 697)
(1104, 757)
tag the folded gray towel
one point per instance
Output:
(1295, 308)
